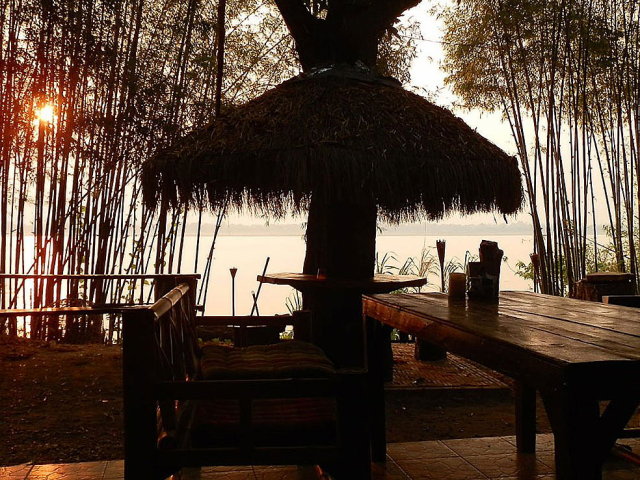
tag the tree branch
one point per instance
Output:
(385, 12)
(298, 18)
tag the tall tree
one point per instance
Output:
(87, 91)
(334, 32)
(565, 74)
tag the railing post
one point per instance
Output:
(191, 296)
(162, 286)
(138, 375)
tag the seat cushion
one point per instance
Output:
(274, 421)
(280, 360)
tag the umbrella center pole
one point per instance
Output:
(341, 244)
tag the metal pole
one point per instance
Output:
(254, 309)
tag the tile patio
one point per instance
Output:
(460, 459)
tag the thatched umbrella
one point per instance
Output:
(348, 146)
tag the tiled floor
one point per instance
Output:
(462, 459)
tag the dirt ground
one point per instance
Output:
(63, 403)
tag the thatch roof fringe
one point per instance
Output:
(346, 140)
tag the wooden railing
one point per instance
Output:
(48, 303)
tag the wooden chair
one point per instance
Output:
(187, 405)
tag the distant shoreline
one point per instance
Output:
(404, 230)
(408, 230)
(394, 234)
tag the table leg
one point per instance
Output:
(525, 418)
(614, 419)
(574, 421)
(375, 357)
(385, 350)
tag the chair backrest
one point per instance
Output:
(254, 330)
(159, 344)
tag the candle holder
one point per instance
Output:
(457, 285)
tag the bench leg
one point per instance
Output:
(583, 437)
(574, 421)
(525, 418)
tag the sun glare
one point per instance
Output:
(45, 114)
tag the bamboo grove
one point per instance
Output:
(88, 90)
(565, 74)
(118, 80)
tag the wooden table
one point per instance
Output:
(336, 308)
(574, 353)
(379, 283)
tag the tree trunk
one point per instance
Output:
(349, 33)
(341, 239)
(341, 244)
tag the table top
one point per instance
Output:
(377, 284)
(551, 332)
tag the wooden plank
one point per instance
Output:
(622, 344)
(625, 345)
(498, 355)
(609, 317)
(613, 339)
(377, 284)
(618, 342)
(613, 322)
(484, 322)
(570, 305)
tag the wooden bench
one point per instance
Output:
(574, 353)
(190, 406)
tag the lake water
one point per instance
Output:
(248, 255)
